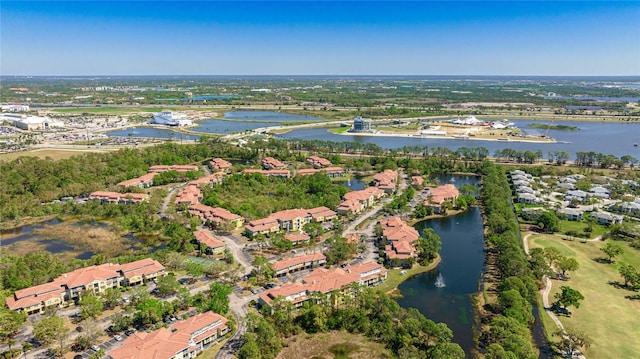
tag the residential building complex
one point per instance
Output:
(268, 173)
(441, 194)
(298, 263)
(318, 162)
(186, 339)
(289, 220)
(207, 240)
(216, 216)
(399, 238)
(327, 281)
(220, 164)
(270, 163)
(115, 197)
(329, 171)
(356, 201)
(95, 279)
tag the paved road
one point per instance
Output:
(234, 244)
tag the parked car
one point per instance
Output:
(117, 337)
(129, 332)
(95, 348)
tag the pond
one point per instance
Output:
(355, 184)
(460, 269)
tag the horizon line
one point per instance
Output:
(305, 75)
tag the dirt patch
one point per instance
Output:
(88, 238)
(332, 345)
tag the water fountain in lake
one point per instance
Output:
(440, 281)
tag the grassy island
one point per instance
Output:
(554, 127)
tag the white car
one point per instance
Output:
(95, 348)
(117, 337)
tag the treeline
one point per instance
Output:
(257, 196)
(507, 333)
(407, 333)
(27, 182)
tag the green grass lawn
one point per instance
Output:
(394, 276)
(339, 130)
(579, 227)
(606, 316)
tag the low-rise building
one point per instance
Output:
(298, 263)
(216, 216)
(143, 181)
(220, 164)
(531, 213)
(270, 163)
(329, 171)
(207, 240)
(188, 195)
(178, 168)
(289, 220)
(439, 195)
(417, 181)
(115, 197)
(209, 180)
(95, 279)
(399, 238)
(607, 218)
(268, 173)
(386, 180)
(355, 201)
(297, 238)
(570, 214)
(318, 162)
(345, 280)
(186, 339)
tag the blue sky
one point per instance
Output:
(319, 38)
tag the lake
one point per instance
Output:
(152, 132)
(225, 127)
(461, 267)
(615, 138)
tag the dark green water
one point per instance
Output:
(461, 267)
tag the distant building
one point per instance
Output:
(169, 118)
(32, 122)
(15, 108)
(115, 197)
(207, 240)
(361, 125)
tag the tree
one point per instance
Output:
(50, 330)
(90, 306)
(572, 340)
(630, 275)
(111, 297)
(428, 246)
(566, 264)
(567, 297)
(549, 222)
(218, 298)
(168, 284)
(612, 250)
(552, 254)
(10, 324)
(194, 269)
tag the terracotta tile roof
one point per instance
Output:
(417, 180)
(387, 178)
(297, 237)
(311, 171)
(298, 260)
(353, 237)
(179, 168)
(214, 214)
(210, 179)
(205, 237)
(220, 164)
(317, 162)
(296, 292)
(165, 344)
(145, 180)
(350, 206)
(272, 173)
(270, 163)
(447, 192)
(263, 224)
(116, 197)
(189, 194)
(145, 266)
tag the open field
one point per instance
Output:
(55, 154)
(332, 345)
(606, 316)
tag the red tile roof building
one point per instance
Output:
(329, 171)
(179, 168)
(298, 263)
(143, 181)
(400, 238)
(220, 164)
(326, 281)
(386, 180)
(186, 339)
(189, 195)
(268, 173)
(270, 163)
(94, 278)
(216, 216)
(289, 220)
(417, 180)
(209, 180)
(297, 238)
(356, 201)
(439, 195)
(115, 197)
(212, 244)
(318, 162)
